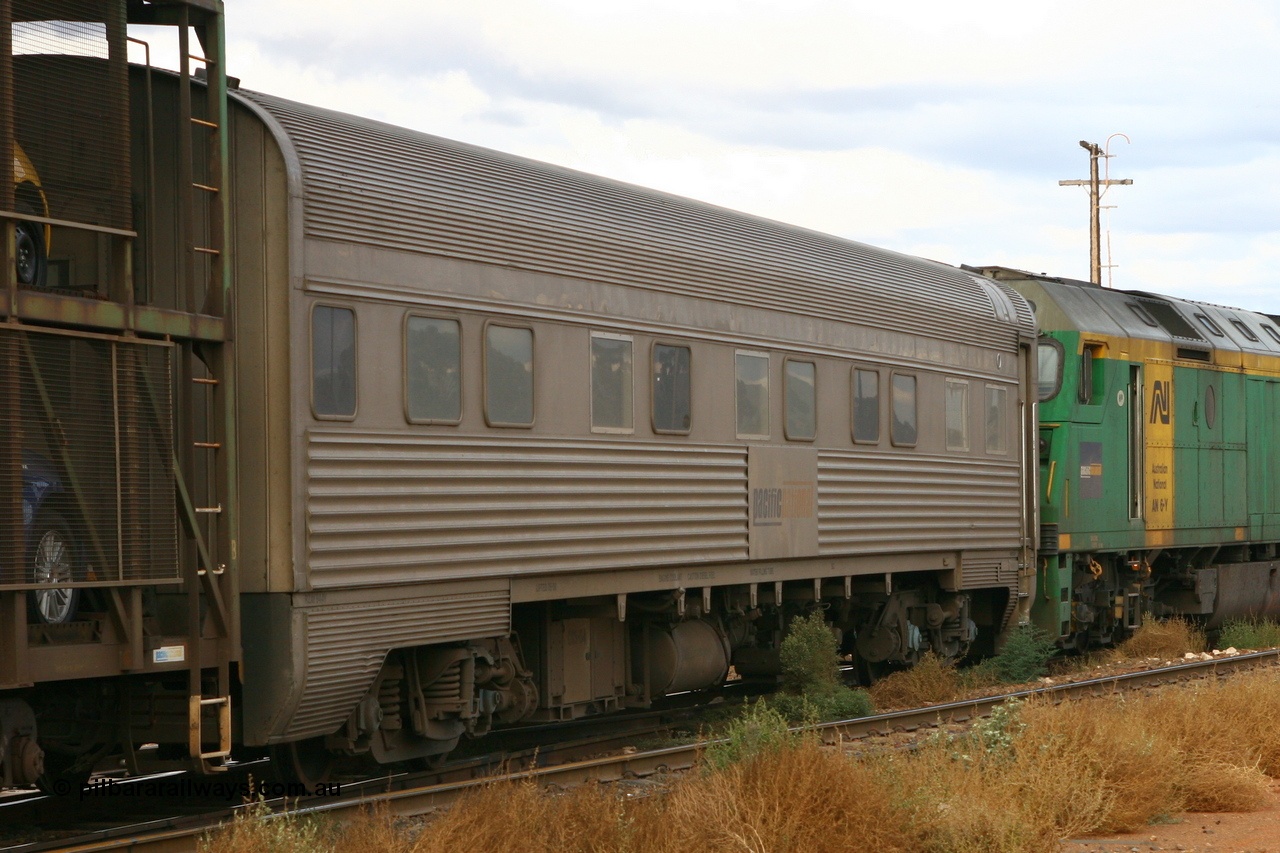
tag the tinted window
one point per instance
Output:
(433, 369)
(610, 382)
(752, 394)
(866, 405)
(802, 400)
(957, 392)
(1049, 372)
(333, 361)
(1141, 314)
(670, 388)
(903, 430)
(997, 400)
(508, 398)
(1210, 325)
(1245, 330)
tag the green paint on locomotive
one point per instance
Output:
(1157, 455)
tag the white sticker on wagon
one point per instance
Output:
(169, 654)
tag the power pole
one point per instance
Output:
(1096, 189)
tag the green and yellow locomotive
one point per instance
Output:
(1158, 459)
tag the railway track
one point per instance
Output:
(584, 759)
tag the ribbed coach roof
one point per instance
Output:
(372, 183)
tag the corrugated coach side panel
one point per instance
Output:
(883, 502)
(346, 645)
(387, 508)
(378, 185)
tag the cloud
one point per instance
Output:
(932, 127)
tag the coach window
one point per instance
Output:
(333, 362)
(903, 431)
(957, 406)
(433, 370)
(671, 371)
(610, 382)
(508, 376)
(802, 400)
(866, 406)
(997, 403)
(752, 394)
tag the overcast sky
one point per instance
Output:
(935, 128)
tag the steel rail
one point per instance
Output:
(420, 800)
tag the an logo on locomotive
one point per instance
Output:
(1160, 401)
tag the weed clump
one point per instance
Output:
(809, 657)
(929, 682)
(257, 827)
(811, 688)
(842, 703)
(1169, 638)
(758, 731)
(1025, 656)
(1249, 634)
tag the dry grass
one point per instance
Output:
(1021, 781)
(521, 816)
(807, 798)
(928, 682)
(1168, 639)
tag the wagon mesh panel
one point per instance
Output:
(88, 423)
(69, 105)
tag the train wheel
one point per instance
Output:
(305, 762)
(32, 265)
(53, 561)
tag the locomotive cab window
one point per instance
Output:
(611, 409)
(903, 431)
(802, 401)
(866, 406)
(508, 376)
(1049, 369)
(433, 370)
(752, 394)
(1092, 387)
(671, 371)
(997, 405)
(333, 362)
(957, 406)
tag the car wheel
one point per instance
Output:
(53, 560)
(32, 265)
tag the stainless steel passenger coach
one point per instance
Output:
(346, 441)
(520, 443)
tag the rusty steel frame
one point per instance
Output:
(202, 333)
